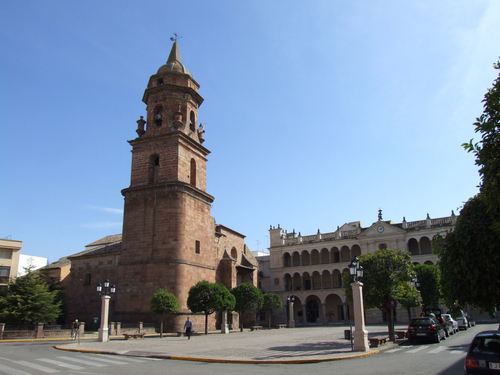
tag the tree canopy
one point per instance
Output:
(208, 297)
(248, 298)
(29, 300)
(162, 303)
(271, 301)
(429, 277)
(487, 151)
(469, 259)
(384, 272)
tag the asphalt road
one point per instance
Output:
(446, 357)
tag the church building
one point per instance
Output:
(169, 239)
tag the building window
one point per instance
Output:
(88, 279)
(4, 271)
(197, 247)
(382, 246)
(192, 176)
(192, 121)
(276, 281)
(5, 254)
(160, 81)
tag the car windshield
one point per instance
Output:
(487, 345)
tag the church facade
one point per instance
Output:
(169, 239)
(311, 267)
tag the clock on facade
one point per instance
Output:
(380, 229)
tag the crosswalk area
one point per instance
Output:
(429, 349)
(66, 364)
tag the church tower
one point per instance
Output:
(168, 231)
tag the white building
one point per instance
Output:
(310, 267)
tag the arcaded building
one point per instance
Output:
(169, 238)
(310, 267)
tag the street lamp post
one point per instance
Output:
(291, 320)
(360, 332)
(105, 291)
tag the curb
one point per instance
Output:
(220, 360)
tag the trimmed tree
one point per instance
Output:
(385, 271)
(469, 259)
(208, 298)
(248, 298)
(429, 277)
(163, 303)
(408, 296)
(271, 301)
(29, 300)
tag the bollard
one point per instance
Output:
(2, 329)
(141, 327)
(81, 329)
(118, 328)
(39, 331)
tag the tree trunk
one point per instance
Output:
(270, 317)
(409, 314)
(240, 314)
(206, 323)
(161, 325)
(390, 326)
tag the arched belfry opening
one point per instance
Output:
(192, 121)
(154, 168)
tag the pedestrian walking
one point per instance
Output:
(74, 329)
(188, 326)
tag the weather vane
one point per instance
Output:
(175, 37)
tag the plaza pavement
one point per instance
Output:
(286, 345)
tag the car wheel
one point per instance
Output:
(437, 339)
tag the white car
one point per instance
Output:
(462, 321)
(449, 318)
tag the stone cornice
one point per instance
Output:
(172, 186)
(169, 261)
(157, 138)
(169, 87)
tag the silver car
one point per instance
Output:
(454, 323)
(462, 321)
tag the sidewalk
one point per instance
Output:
(287, 345)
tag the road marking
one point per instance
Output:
(393, 350)
(37, 367)
(438, 349)
(418, 349)
(60, 364)
(12, 371)
(106, 360)
(82, 361)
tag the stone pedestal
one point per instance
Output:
(81, 329)
(360, 332)
(103, 330)
(118, 330)
(224, 328)
(112, 328)
(39, 331)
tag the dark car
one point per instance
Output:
(483, 356)
(426, 328)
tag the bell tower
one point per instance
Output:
(168, 232)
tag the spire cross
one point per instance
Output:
(175, 37)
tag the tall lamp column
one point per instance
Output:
(106, 292)
(291, 320)
(360, 332)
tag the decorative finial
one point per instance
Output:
(452, 213)
(175, 38)
(428, 217)
(379, 215)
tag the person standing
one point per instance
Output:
(74, 329)
(188, 326)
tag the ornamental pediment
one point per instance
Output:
(381, 228)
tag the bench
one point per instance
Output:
(375, 342)
(133, 335)
(254, 328)
(281, 325)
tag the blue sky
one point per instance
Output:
(317, 113)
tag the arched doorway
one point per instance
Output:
(334, 308)
(313, 306)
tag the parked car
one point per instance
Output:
(471, 321)
(462, 321)
(425, 328)
(483, 356)
(453, 322)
